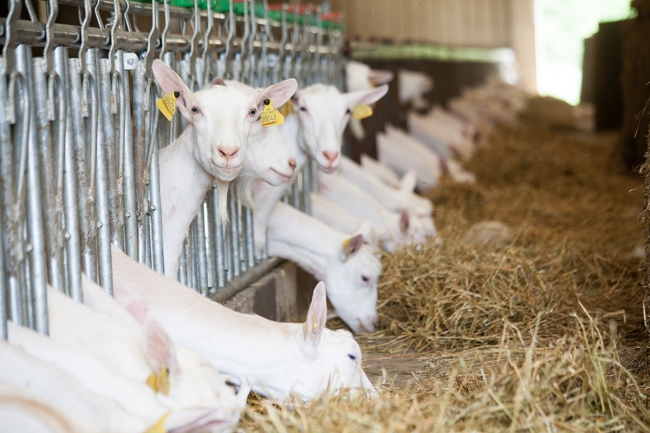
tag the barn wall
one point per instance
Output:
(468, 23)
(484, 24)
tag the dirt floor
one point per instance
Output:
(542, 332)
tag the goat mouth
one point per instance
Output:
(283, 177)
(328, 168)
(229, 169)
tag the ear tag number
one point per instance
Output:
(361, 111)
(159, 382)
(288, 109)
(271, 116)
(167, 104)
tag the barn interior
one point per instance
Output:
(522, 124)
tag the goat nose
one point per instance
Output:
(293, 164)
(330, 156)
(374, 322)
(228, 152)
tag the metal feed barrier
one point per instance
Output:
(80, 135)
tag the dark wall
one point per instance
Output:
(635, 75)
(607, 68)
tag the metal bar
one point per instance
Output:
(37, 297)
(240, 283)
(5, 145)
(218, 237)
(73, 246)
(101, 179)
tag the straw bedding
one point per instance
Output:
(544, 333)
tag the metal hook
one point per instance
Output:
(206, 45)
(163, 47)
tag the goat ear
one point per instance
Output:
(404, 222)
(352, 245)
(218, 81)
(408, 181)
(366, 96)
(278, 93)
(171, 82)
(316, 317)
(364, 229)
(159, 349)
(378, 77)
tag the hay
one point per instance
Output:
(543, 334)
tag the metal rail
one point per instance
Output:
(80, 136)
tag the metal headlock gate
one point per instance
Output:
(80, 135)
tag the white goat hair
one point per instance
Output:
(380, 171)
(275, 359)
(427, 157)
(413, 85)
(135, 353)
(455, 122)
(65, 394)
(403, 155)
(349, 268)
(210, 149)
(267, 159)
(315, 131)
(27, 413)
(430, 130)
(393, 229)
(341, 220)
(359, 76)
(395, 200)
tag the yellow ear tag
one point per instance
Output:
(361, 111)
(347, 248)
(270, 116)
(159, 426)
(159, 382)
(288, 109)
(313, 327)
(167, 105)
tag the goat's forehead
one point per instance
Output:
(227, 97)
(327, 97)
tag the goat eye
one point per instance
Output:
(348, 112)
(352, 357)
(195, 110)
(303, 109)
(365, 279)
(252, 112)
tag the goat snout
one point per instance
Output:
(228, 152)
(330, 156)
(293, 164)
(368, 327)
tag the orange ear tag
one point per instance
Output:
(361, 111)
(271, 116)
(167, 105)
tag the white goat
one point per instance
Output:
(275, 359)
(89, 412)
(314, 132)
(21, 411)
(341, 220)
(381, 171)
(359, 76)
(267, 159)
(135, 397)
(136, 353)
(430, 130)
(349, 268)
(221, 121)
(393, 229)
